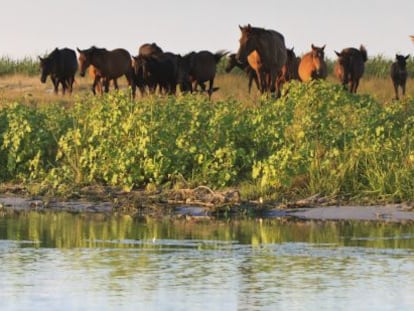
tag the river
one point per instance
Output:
(85, 261)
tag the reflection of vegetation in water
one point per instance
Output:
(65, 230)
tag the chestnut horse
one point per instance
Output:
(269, 58)
(312, 65)
(98, 80)
(111, 64)
(350, 66)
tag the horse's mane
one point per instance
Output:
(259, 31)
(97, 50)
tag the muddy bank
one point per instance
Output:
(391, 213)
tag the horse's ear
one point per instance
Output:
(337, 53)
(249, 27)
(77, 49)
(323, 48)
(41, 59)
(313, 47)
(407, 57)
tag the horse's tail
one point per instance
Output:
(219, 54)
(364, 53)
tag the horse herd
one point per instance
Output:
(262, 54)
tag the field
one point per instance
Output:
(316, 139)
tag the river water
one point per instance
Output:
(63, 261)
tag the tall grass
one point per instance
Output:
(27, 66)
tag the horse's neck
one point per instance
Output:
(99, 60)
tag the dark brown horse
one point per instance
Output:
(269, 46)
(149, 49)
(290, 68)
(158, 70)
(312, 65)
(350, 66)
(399, 73)
(111, 64)
(251, 74)
(196, 68)
(61, 65)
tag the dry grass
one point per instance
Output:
(28, 89)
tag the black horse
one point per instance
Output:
(61, 65)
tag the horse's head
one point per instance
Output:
(231, 62)
(402, 60)
(247, 43)
(45, 68)
(318, 56)
(84, 61)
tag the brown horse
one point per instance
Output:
(232, 63)
(399, 73)
(111, 65)
(98, 80)
(270, 54)
(312, 65)
(350, 66)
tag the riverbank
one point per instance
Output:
(156, 206)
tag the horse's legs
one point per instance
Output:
(96, 85)
(70, 84)
(55, 85)
(272, 84)
(210, 90)
(396, 90)
(131, 82)
(403, 88)
(116, 84)
(356, 84)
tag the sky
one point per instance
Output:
(30, 28)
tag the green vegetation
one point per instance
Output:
(27, 66)
(315, 139)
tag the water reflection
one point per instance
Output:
(66, 230)
(97, 262)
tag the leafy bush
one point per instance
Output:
(317, 138)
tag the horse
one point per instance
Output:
(232, 63)
(61, 65)
(158, 70)
(312, 65)
(196, 68)
(399, 73)
(149, 49)
(111, 64)
(289, 70)
(97, 78)
(350, 66)
(269, 57)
